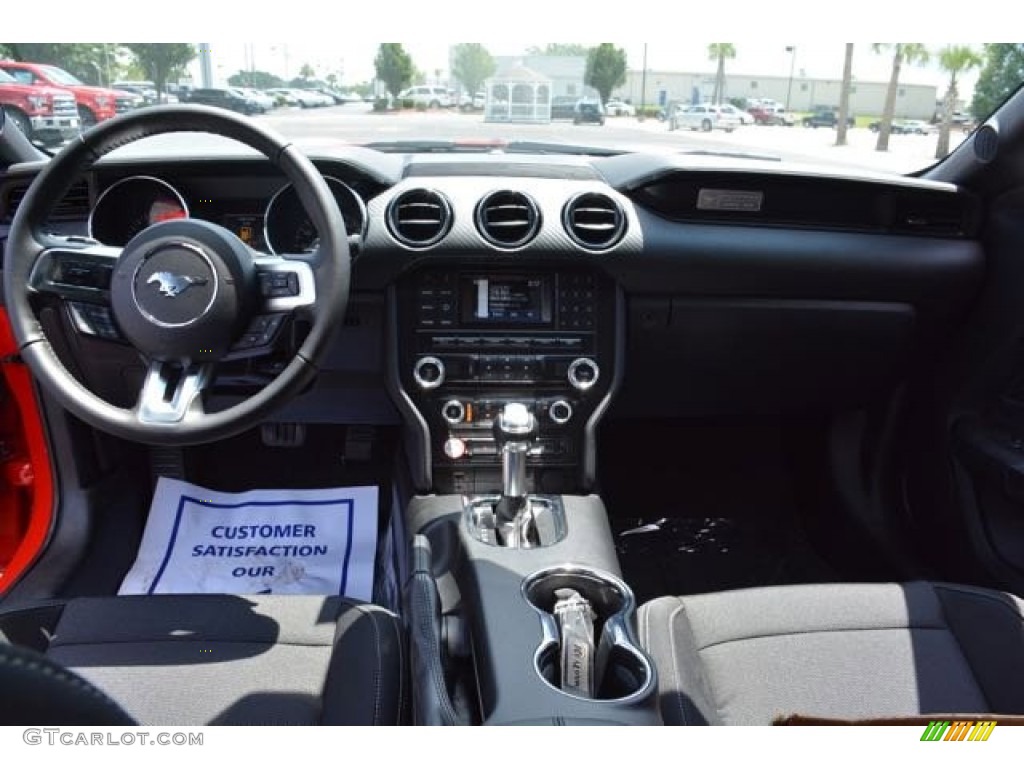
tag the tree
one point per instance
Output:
(954, 59)
(909, 53)
(255, 79)
(162, 60)
(1002, 75)
(472, 65)
(306, 72)
(606, 69)
(844, 97)
(90, 62)
(720, 52)
(394, 67)
(559, 49)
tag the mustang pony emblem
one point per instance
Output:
(172, 285)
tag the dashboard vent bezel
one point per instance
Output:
(507, 200)
(74, 206)
(615, 227)
(439, 226)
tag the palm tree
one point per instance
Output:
(720, 52)
(954, 59)
(910, 53)
(844, 97)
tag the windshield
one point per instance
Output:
(58, 75)
(895, 107)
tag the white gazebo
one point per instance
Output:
(518, 95)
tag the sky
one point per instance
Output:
(337, 36)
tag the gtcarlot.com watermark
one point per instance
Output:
(69, 737)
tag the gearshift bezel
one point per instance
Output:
(515, 518)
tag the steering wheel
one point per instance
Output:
(185, 294)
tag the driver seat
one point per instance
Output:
(202, 660)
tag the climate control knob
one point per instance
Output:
(583, 373)
(560, 412)
(428, 372)
(454, 412)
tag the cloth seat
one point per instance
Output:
(847, 651)
(212, 659)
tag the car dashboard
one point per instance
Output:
(636, 285)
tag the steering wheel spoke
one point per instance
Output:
(286, 283)
(75, 272)
(171, 394)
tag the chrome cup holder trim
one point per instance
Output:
(615, 626)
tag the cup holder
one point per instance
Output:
(622, 672)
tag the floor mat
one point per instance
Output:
(281, 541)
(708, 505)
(691, 555)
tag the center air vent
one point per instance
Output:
(420, 217)
(594, 220)
(508, 219)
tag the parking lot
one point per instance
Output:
(357, 123)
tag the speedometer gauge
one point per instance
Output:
(130, 205)
(288, 228)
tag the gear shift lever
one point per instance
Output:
(515, 431)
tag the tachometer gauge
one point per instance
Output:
(288, 229)
(130, 205)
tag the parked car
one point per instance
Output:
(94, 103)
(308, 99)
(263, 100)
(588, 112)
(763, 114)
(144, 88)
(226, 98)
(429, 96)
(703, 117)
(563, 107)
(825, 119)
(283, 97)
(620, 108)
(919, 127)
(745, 118)
(46, 115)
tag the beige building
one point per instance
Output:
(803, 93)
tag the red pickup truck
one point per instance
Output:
(95, 104)
(44, 114)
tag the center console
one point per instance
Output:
(503, 373)
(472, 338)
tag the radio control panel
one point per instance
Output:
(472, 339)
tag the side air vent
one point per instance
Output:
(74, 205)
(594, 221)
(419, 218)
(931, 214)
(507, 219)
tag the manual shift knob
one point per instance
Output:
(515, 429)
(515, 423)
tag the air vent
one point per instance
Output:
(419, 218)
(931, 214)
(594, 221)
(74, 205)
(508, 219)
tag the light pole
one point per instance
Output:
(643, 88)
(791, 50)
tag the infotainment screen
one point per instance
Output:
(507, 299)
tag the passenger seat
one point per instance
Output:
(845, 651)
